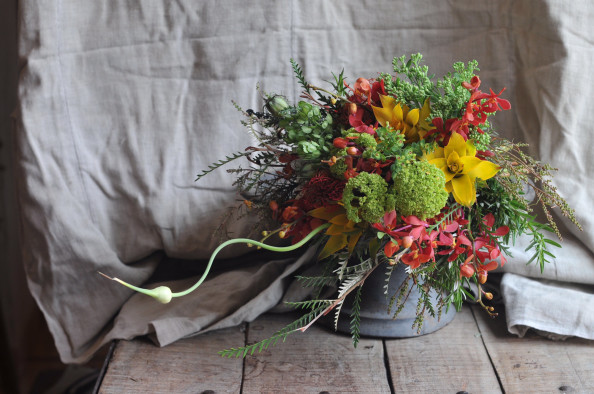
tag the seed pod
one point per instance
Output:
(276, 104)
(351, 108)
(407, 241)
(482, 277)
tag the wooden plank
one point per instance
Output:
(537, 364)
(449, 360)
(316, 361)
(190, 365)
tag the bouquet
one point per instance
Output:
(399, 169)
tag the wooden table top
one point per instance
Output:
(473, 354)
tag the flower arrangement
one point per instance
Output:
(396, 169)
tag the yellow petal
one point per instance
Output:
(484, 170)
(326, 213)
(412, 118)
(382, 115)
(436, 154)
(353, 239)
(463, 190)
(397, 113)
(456, 144)
(340, 219)
(454, 159)
(469, 164)
(439, 162)
(388, 102)
(335, 229)
(334, 244)
(426, 110)
(470, 148)
(448, 187)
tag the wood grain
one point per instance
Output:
(188, 366)
(313, 362)
(449, 360)
(536, 364)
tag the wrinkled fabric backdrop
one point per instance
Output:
(123, 103)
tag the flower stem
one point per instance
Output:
(164, 294)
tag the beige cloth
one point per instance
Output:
(123, 103)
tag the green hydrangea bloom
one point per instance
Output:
(364, 197)
(339, 168)
(364, 140)
(419, 189)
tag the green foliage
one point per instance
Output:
(413, 84)
(416, 86)
(339, 84)
(309, 128)
(419, 190)
(221, 163)
(513, 213)
(356, 317)
(299, 75)
(316, 281)
(364, 140)
(364, 197)
(455, 96)
(273, 340)
(482, 141)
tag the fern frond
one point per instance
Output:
(361, 268)
(309, 304)
(341, 268)
(316, 281)
(356, 317)
(345, 287)
(221, 163)
(299, 75)
(281, 334)
(338, 308)
(389, 270)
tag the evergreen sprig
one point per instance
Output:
(300, 77)
(355, 325)
(316, 281)
(222, 162)
(282, 334)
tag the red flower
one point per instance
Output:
(474, 84)
(319, 191)
(494, 102)
(414, 259)
(360, 122)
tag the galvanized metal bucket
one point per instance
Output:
(376, 321)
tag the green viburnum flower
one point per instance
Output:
(364, 140)
(419, 190)
(364, 198)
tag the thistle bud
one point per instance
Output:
(276, 105)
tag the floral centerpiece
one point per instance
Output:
(400, 169)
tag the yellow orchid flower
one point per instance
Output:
(461, 167)
(411, 122)
(342, 231)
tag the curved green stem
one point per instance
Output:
(255, 243)
(163, 293)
